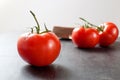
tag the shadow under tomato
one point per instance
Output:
(98, 49)
(48, 72)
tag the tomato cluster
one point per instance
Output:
(42, 48)
(89, 35)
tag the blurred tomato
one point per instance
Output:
(109, 34)
(85, 37)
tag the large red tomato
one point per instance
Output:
(38, 48)
(109, 34)
(85, 37)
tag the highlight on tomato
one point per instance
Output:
(38, 48)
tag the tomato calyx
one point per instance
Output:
(38, 29)
(99, 28)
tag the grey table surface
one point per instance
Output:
(72, 64)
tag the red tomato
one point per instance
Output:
(39, 49)
(109, 34)
(85, 37)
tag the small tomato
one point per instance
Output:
(85, 37)
(109, 34)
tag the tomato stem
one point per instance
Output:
(88, 22)
(98, 28)
(38, 26)
(31, 30)
(46, 28)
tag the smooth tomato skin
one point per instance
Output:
(39, 49)
(85, 37)
(109, 35)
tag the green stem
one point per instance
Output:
(98, 28)
(88, 22)
(46, 28)
(31, 30)
(38, 26)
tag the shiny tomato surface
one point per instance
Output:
(39, 49)
(109, 34)
(85, 37)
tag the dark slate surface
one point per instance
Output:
(72, 64)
